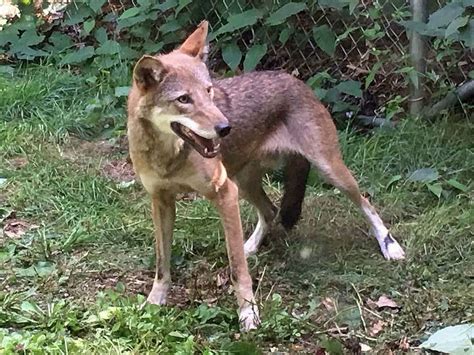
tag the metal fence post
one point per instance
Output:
(417, 56)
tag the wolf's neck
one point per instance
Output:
(161, 151)
(168, 144)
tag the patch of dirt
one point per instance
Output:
(197, 285)
(209, 286)
(80, 151)
(14, 228)
(18, 163)
(118, 170)
(86, 285)
(109, 153)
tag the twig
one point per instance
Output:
(373, 121)
(362, 335)
(260, 281)
(373, 313)
(462, 93)
(359, 305)
(270, 292)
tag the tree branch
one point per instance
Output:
(462, 93)
(373, 121)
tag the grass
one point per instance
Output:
(76, 257)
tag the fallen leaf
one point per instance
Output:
(328, 303)
(364, 348)
(371, 304)
(15, 228)
(41, 269)
(297, 348)
(125, 184)
(452, 340)
(222, 278)
(305, 252)
(376, 327)
(404, 344)
(385, 302)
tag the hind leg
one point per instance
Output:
(249, 181)
(296, 174)
(336, 173)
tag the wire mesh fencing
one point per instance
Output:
(321, 41)
(370, 43)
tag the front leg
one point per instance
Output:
(163, 214)
(227, 202)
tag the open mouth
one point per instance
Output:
(208, 148)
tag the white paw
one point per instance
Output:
(391, 250)
(394, 252)
(249, 317)
(158, 294)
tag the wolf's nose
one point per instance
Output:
(222, 129)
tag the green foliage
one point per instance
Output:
(453, 22)
(325, 39)
(232, 55)
(245, 36)
(89, 35)
(254, 55)
(287, 10)
(334, 94)
(238, 21)
(431, 179)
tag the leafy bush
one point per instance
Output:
(350, 39)
(452, 22)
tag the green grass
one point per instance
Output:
(76, 282)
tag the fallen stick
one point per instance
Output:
(373, 121)
(461, 94)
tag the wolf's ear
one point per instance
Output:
(148, 72)
(195, 44)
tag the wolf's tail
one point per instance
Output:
(296, 173)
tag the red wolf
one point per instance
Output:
(188, 132)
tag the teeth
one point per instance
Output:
(206, 151)
(217, 146)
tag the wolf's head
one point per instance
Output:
(179, 89)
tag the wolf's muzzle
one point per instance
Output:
(222, 129)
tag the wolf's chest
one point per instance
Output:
(186, 180)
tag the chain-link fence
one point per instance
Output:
(323, 41)
(371, 44)
(361, 37)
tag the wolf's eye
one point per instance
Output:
(184, 99)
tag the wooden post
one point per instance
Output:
(417, 55)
